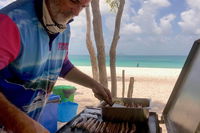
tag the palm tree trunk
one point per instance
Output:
(98, 34)
(90, 47)
(113, 49)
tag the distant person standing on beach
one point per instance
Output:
(34, 38)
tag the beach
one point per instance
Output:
(154, 83)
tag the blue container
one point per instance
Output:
(66, 111)
(49, 115)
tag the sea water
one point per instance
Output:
(169, 61)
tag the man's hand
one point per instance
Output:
(102, 93)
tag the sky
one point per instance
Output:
(148, 27)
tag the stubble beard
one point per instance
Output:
(59, 16)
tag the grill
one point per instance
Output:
(181, 114)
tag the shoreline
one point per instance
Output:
(138, 71)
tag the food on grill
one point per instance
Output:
(87, 122)
(133, 128)
(108, 127)
(127, 104)
(126, 128)
(119, 101)
(122, 128)
(90, 124)
(94, 126)
(80, 125)
(117, 128)
(97, 130)
(76, 121)
(90, 120)
(103, 127)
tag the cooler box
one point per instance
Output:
(66, 92)
(67, 108)
(66, 111)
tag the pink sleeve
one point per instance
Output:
(9, 41)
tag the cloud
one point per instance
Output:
(5, 2)
(190, 18)
(109, 22)
(195, 4)
(165, 24)
(156, 34)
(78, 26)
(130, 29)
(143, 21)
(78, 33)
(160, 3)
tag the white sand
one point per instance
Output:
(153, 83)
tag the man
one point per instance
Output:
(34, 38)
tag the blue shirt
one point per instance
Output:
(41, 58)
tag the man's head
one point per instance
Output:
(63, 10)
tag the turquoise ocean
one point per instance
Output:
(135, 61)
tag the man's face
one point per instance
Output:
(65, 9)
(73, 7)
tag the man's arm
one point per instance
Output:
(17, 121)
(10, 116)
(100, 92)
